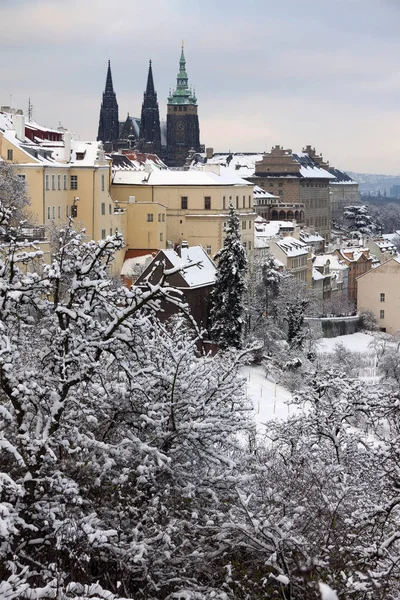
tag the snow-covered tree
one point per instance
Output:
(228, 296)
(359, 220)
(119, 447)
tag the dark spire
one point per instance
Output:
(150, 83)
(150, 132)
(108, 131)
(109, 84)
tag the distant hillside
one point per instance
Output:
(373, 182)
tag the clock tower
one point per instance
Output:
(183, 132)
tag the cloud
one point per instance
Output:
(265, 72)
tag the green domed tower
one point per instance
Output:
(183, 132)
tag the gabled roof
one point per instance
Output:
(198, 270)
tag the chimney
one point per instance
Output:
(213, 168)
(19, 125)
(209, 153)
(148, 167)
(67, 146)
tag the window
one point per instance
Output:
(74, 211)
(249, 201)
(159, 217)
(110, 209)
(244, 223)
(103, 183)
(53, 182)
(59, 212)
(249, 245)
(163, 218)
(249, 224)
(73, 182)
(161, 237)
(54, 212)
(110, 230)
(59, 182)
(67, 211)
(381, 314)
(208, 250)
(103, 208)
(65, 182)
(150, 218)
(382, 297)
(207, 202)
(47, 182)
(237, 201)
(224, 202)
(103, 234)
(48, 212)
(244, 201)
(184, 202)
(9, 154)
(22, 177)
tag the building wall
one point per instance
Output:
(341, 195)
(146, 225)
(382, 280)
(195, 224)
(314, 193)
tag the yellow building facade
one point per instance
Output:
(196, 205)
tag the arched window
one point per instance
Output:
(274, 215)
(282, 215)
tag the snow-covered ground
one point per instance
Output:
(356, 342)
(270, 399)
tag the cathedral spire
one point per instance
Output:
(108, 131)
(150, 83)
(150, 132)
(109, 84)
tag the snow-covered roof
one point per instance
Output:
(178, 178)
(292, 247)
(316, 275)
(258, 192)
(134, 266)
(272, 228)
(241, 163)
(335, 264)
(198, 275)
(49, 152)
(309, 238)
(309, 168)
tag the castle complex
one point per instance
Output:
(173, 145)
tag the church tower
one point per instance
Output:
(150, 132)
(108, 123)
(182, 121)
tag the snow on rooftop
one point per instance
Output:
(176, 178)
(335, 264)
(198, 275)
(271, 229)
(292, 247)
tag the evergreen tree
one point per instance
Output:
(227, 310)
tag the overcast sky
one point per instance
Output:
(266, 72)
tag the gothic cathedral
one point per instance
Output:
(146, 134)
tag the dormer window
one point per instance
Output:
(80, 155)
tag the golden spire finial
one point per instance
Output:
(183, 44)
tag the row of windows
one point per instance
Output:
(103, 209)
(161, 217)
(244, 224)
(69, 211)
(73, 182)
(207, 202)
(319, 221)
(180, 108)
(316, 203)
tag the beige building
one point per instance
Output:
(379, 292)
(195, 204)
(64, 177)
(293, 254)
